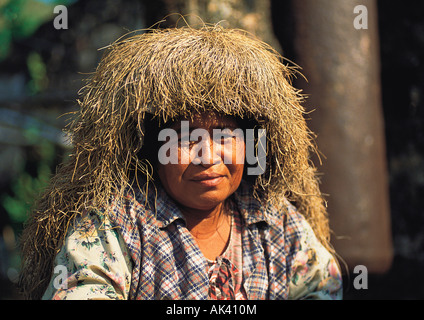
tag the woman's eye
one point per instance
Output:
(183, 138)
(194, 140)
(219, 136)
(227, 134)
(187, 140)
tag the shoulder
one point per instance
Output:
(95, 260)
(89, 228)
(286, 214)
(313, 272)
(93, 234)
(288, 219)
(298, 233)
(151, 207)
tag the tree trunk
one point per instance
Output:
(343, 68)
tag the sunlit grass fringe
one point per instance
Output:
(172, 73)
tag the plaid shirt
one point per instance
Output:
(154, 256)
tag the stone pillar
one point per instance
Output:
(341, 64)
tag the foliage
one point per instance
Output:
(25, 187)
(38, 73)
(19, 19)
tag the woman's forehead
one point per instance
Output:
(209, 119)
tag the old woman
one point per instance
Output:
(190, 178)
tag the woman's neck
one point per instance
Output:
(211, 229)
(203, 224)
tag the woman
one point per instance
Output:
(159, 199)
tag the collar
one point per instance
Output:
(166, 211)
(250, 208)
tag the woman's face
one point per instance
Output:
(211, 152)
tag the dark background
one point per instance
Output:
(401, 31)
(42, 71)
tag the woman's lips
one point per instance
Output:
(209, 180)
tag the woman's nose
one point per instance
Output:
(206, 152)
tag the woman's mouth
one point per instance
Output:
(209, 180)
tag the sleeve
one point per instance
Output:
(92, 264)
(315, 272)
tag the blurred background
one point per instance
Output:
(365, 71)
